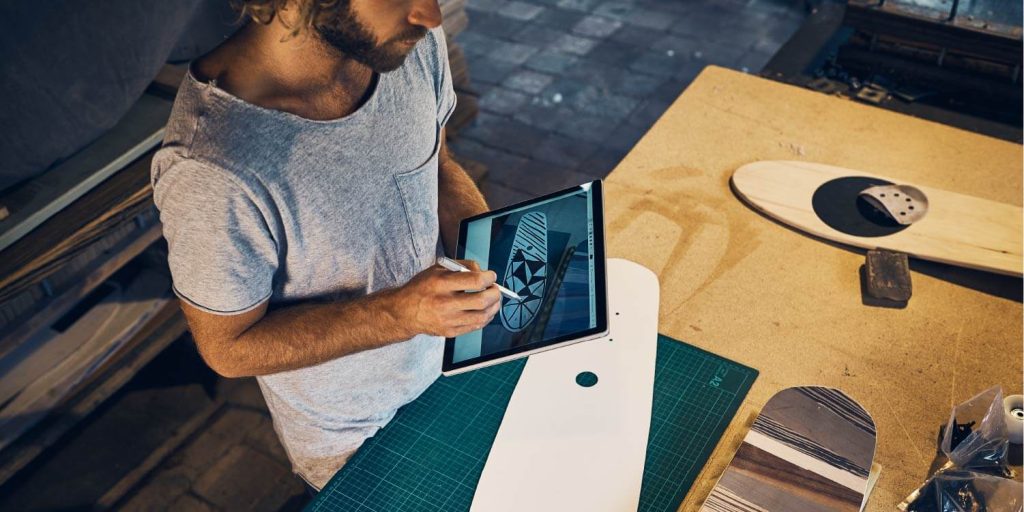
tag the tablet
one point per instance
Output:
(549, 251)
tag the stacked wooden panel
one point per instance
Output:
(964, 56)
(82, 308)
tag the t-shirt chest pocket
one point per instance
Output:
(418, 189)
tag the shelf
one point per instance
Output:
(167, 325)
(56, 306)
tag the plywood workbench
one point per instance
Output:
(743, 286)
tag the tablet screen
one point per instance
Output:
(549, 251)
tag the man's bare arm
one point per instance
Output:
(261, 343)
(434, 302)
(458, 197)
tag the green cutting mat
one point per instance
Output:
(432, 453)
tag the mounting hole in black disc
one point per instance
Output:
(839, 205)
(586, 379)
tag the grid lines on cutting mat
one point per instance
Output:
(431, 455)
(422, 456)
(684, 390)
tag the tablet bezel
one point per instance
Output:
(600, 286)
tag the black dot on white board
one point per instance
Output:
(586, 379)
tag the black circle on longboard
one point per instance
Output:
(839, 205)
(586, 379)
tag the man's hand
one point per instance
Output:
(435, 301)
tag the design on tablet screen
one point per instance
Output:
(526, 272)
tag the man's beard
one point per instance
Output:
(349, 36)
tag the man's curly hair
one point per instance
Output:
(311, 13)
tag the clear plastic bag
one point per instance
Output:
(976, 438)
(953, 490)
(977, 477)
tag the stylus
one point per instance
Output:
(455, 266)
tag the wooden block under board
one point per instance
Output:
(886, 279)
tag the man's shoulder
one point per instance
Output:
(174, 173)
(437, 36)
(211, 130)
(434, 48)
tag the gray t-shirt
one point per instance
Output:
(258, 203)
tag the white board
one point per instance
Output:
(562, 446)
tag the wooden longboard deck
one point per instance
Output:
(810, 449)
(958, 229)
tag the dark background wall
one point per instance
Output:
(71, 68)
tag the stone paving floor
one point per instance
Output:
(234, 462)
(568, 86)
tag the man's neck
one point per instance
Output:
(300, 75)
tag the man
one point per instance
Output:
(305, 190)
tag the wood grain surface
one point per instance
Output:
(71, 230)
(741, 285)
(958, 229)
(809, 450)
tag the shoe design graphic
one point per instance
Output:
(526, 273)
